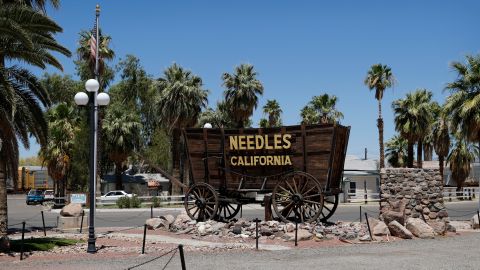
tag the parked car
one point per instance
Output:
(35, 196)
(48, 195)
(115, 195)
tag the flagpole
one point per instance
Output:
(91, 229)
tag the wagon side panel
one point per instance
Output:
(318, 143)
(340, 149)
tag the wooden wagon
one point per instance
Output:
(300, 166)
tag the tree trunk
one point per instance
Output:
(419, 153)
(175, 189)
(410, 154)
(380, 142)
(4, 243)
(440, 165)
(240, 124)
(118, 176)
(427, 152)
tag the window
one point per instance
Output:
(110, 194)
(353, 188)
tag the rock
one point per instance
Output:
(265, 231)
(153, 223)
(398, 230)
(390, 216)
(218, 226)
(289, 227)
(180, 220)
(72, 210)
(373, 222)
(450, 228)
(319, 236)
(475, 223)
(419, 228)
(202, 230)
(365, 238)
(460, 225)
(302, 235)
(439, 227)
(380, 229)
(237, 229)
(271, 237)
(432, 215)
(442, 214)
(168, 219)
(272, 223)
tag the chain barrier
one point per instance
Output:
(156, 258)
(25, 220)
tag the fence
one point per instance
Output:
(363, 197)
(466, 194)
(163, 200)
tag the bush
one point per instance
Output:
(123, 202)
(126, 202)
(155, 201)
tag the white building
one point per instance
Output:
(361, 177)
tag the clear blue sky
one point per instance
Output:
(299, 48)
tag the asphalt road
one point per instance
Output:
(18, 211)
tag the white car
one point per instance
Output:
(115, 195)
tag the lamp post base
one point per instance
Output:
(91, 241)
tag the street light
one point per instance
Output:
(93, 101)
(207, 125)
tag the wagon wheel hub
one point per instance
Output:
(297, 199)
(201, 203)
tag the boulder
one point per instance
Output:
(289, 227)
(153, 223)
(398, 230)
(390, 216)
(237, 229)
(419, 228)
(460, 225)
(474, 221)
(302, 235)
(380, 229)
(439, 227)
(373, 222)
(180, 220)
(72, 210)
(168, 219)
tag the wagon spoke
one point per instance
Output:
(309, 196)
(302, 212)
(294, 184)
(196, 194)
(329, 209)
(195, 211)
(309, 190)
(312, 202)
(291, 189)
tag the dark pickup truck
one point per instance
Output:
(35, 196)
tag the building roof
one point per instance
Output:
(358, 166)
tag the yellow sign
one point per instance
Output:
(259, 142)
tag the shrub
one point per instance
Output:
(155, 201)
(135, 202)
(123, 202)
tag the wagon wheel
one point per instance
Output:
(298, 196)
(201, 202)
(227, 210)
(330, 204)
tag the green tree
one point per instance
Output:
(428, 140)
(26, 37)
(396, 151)
(274, 112)
(242, 91)
(180, 102)
(121, 129)
(412, 118)
(321, 110)
(57, 153)
(463, 105)
(460, 160)
(380, 77)
(60, 88)
(441, 140)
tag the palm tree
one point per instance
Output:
(380, 77)
(27, 37)
(242, 91)
(441, 140)
(463, 105)
(396, 151)
(63, 123)
(121, 129)
(263, 123)
(273, 110)
(412, 119)
(460, 160)
(321, 109)
(181, 100)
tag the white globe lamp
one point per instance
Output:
(81, 98)
(103, 99)
(92, 85)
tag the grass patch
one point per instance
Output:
(40, 244)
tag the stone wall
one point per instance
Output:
(412, 192)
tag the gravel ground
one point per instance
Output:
(459, 252)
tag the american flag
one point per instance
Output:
(93, 41)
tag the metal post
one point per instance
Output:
(478, 216)
(469, 194)
(256, 233)
(241, 210)
(43, 221)
(368, 226)
(93, 146)
(182, 257)
(360, 213)
(23, 238)
(144, 238)
(423, 217)
(296, 231)
(81, 223)
(365, 191)
(151, 211)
